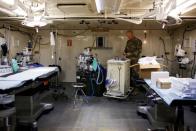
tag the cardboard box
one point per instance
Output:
(163, 83)
(146, 69)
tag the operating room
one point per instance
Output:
(97, 65)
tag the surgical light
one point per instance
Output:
(35, 21)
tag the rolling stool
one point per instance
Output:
(7, 109)
(78, 87)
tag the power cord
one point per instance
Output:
(165, 52)
(193, 69)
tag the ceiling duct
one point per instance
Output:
(75, 7)
(107, 6)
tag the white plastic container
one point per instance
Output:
(119, 70)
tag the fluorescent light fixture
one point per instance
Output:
(188, 9)
(8, 2)
(99, 5)
(183, 6)
(20, 11)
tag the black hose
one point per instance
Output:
(164, 47)
(193, 67)
(183, 35)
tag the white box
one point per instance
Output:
(159, 74)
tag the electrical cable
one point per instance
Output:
(98, 77)
(93, 43)
(193, 67)
(64, 35)
(164, 47)
(183, 35)
(91, 80)
(36, 39)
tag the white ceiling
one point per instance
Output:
(131, 7)
(69, 13)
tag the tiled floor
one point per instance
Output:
(100, 114)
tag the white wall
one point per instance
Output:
(116, 40)
(178, 36)
(16, 41)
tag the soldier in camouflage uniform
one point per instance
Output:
(133, 48)
(132, 51)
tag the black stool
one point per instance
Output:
(78, 87)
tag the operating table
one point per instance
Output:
(172, 99)
(28, 88)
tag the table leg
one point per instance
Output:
(179, 123)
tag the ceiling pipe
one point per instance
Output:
(74, 17)
(87, 18)
(188, 17)
(6, 11)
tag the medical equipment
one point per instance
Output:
(24, 57)
(85, 60)
(15, 66)
(180, 54)
(90, 72)
(118, 78)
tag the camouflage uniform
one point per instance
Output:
(133, 50)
